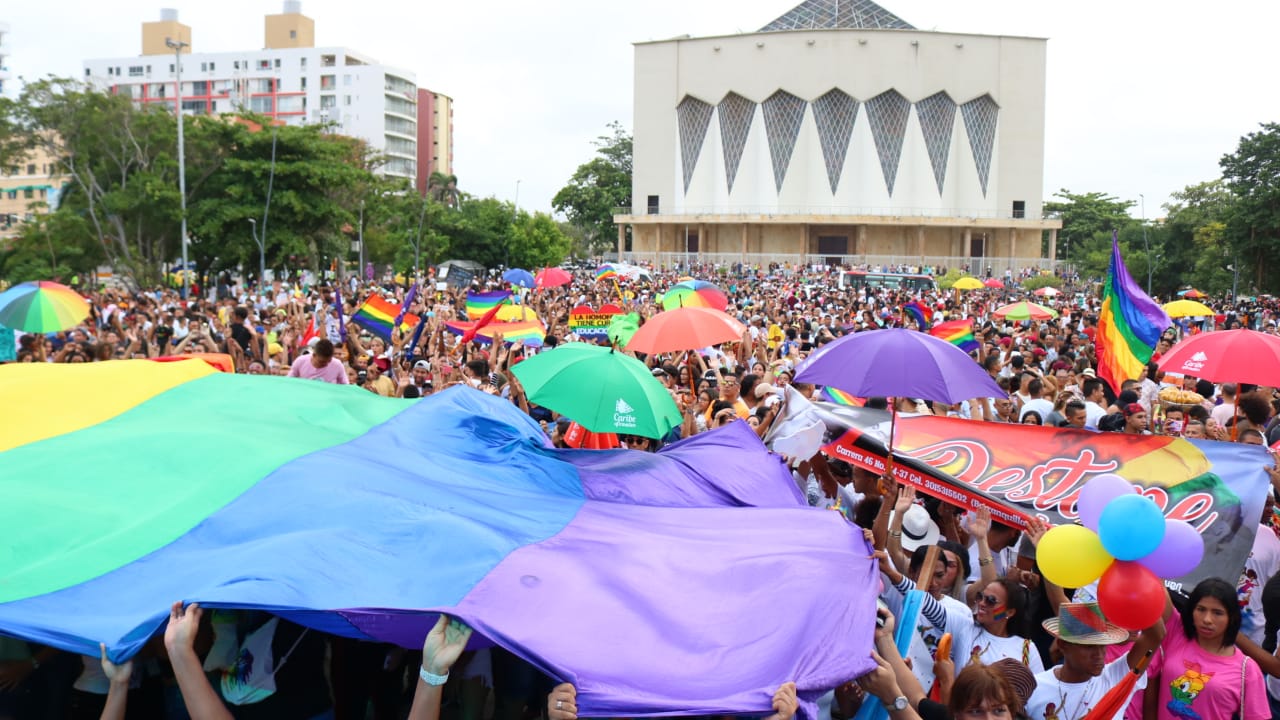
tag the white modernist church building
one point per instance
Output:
(840, 133)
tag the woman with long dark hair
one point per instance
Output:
(1001, 626)
(1203, 675)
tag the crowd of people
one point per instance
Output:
(1019, 646)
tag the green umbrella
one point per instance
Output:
(622, 327)
(600, 389)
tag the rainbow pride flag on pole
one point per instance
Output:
(958, 333)
(377, 315)
(480, 303)
(483, 520)
(841, 397)
(921, 312)
(1129, 324)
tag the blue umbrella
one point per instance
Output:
(518, 277)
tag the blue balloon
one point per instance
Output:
(1131, 527)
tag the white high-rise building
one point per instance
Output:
(289, 79)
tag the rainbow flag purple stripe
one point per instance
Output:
(378, 316)
(1129, 324)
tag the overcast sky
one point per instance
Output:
(1143, 97)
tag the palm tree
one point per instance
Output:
(443, 189)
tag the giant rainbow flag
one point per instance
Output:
(362, 516)
(1129, 325)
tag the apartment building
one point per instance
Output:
(288, 79)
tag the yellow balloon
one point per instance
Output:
(1072, 556)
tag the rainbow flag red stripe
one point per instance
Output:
(377, 315)
(480, 303)
(958, 333)
(604, 272)
(530, 331)
(841, 397)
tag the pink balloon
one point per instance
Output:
(1179, 552)
(1095, 495)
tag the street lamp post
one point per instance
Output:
(262, 254)
(1145, 245)
(360, 239)
(266, 209)
(177, 46)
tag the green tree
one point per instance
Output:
(1252, 174)
(1197, 250)
(538, 242)
(597, 189)
(1088, 220)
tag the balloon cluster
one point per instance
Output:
(1126, 541)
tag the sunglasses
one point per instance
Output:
(989, 600)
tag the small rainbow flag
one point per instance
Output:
(377, 315)
(480, 303)
(921, 312)
(1129, 324)
(531, 332)
(958, 333)
(841, 397)
(605, 272)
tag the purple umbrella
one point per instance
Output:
(898, 363)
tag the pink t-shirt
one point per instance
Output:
(1197, 685)
(334, 372)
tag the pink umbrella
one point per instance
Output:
(994, 283)
(552, 277)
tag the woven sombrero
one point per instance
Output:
(1084, 624)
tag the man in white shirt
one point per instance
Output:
(1224, 412)
(1070, 690)
(1093, 399)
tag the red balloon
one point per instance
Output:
(1131, 596)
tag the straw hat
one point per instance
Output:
(1084, 624)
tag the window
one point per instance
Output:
(170, 68)
(204, 67)
(148, 70)
(261, 105)
(327, 82)
(28, 194)
(117, 71)
(328, 101)
(194, 107)
(346, 99)
(43, 192)
(112, 71)
(135, 71)
(13, 194)
(235, 64)
(31, 168)
(200, 88)
(293, 34)
(277, 63)
(264, 64)
(212, 67)
(1019, 208)
(86, 72)
(304, 82)
(302, 62)
(346, 79)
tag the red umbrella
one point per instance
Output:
(552, 277)
(687, 328)
(994, 283)
(1239, 356)
(1047, 291)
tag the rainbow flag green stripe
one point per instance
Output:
(151, 487)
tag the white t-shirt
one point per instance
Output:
(1093, 412)
(925, 640)
(981, 646)
(1056, 700)
(1263, 563)
(1039, 405)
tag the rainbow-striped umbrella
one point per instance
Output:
(694, 293)
(42, 307)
